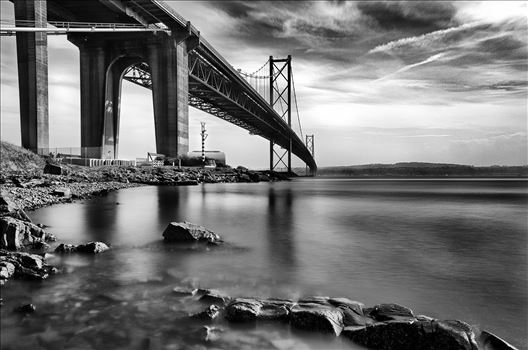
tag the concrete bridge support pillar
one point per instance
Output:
(103, 60)
(32, 56)
(170, 93)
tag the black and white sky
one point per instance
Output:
(377, 82)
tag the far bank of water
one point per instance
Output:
(451, 249)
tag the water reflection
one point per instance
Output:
(281, 230)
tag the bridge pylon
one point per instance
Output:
(281, 85)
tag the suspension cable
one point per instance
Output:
(297, 105)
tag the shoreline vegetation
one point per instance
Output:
(28, 182)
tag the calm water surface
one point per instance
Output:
(450, 249)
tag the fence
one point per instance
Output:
(87, 156)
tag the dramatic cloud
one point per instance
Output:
(382, 81)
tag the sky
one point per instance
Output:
(376, 82)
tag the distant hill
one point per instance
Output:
(417, 169)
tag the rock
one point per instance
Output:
(184, 291)
(210, 333)
(187, 232)
(490, 341)
(26, 309)
(210, 313)
(92, 247)
(386, 312)
(62, 192)
(9, 208)
(53, 169)
(7, 270)
(30, 261)
(215, 297)
(352, 311)
(317, 317)
(15, 233)
(411, 335)
(243, 310)
(65, 248)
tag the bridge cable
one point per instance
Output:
(296, 105)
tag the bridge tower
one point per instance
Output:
(32, 57)
(310, 144)
(280, 71)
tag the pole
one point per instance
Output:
(271, 104)
(204, 136)
(289, 112)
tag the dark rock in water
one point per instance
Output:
(352, 311)
(184, 291)
(411, 335)
(92, 247)
(40, 247)
(65, 248)
(187, 232)
(215, 297)
(210, 333)
(490, 341)
(210, 313)
(16, 234)
(53, 169)
(62, 192)
(7, 270)
(243, 310)
(26, 309)
(387, 312)
(317, 317)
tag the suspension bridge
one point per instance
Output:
(147, 43)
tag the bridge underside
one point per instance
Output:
(181, 68)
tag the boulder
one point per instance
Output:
(16, 234)
(184, 291)
(9, 208)
(53, 169)
(243, 310)
(387, 312)
(65, 248)
(317, 317)
(26, 309)
(490, 341)
(7, 270)
(62, 192)
(210, 313)
(215, 297)
(92, 248)
(187, 232)
(352, 311)
(412, 335)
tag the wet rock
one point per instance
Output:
(243, 310)
(184, 291)
(210, 334)
(210, 313)
(26, 309)
(62, 192)
(215, 297)
(65, 248)
(352, 311)
(7, 270)
(314, 300)
(53, 169)
(411, 335)
(317, 317)
(387, 312)
(187, 232)
(92, 248)
(16, 234)
(490, 341)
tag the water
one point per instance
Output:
(450, 249)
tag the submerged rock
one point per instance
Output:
(92, 247)
(184, 291)
(26, 309)
(187, 232)
(490, 341)
(65, 248)
(210, 313)
(412, 335)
